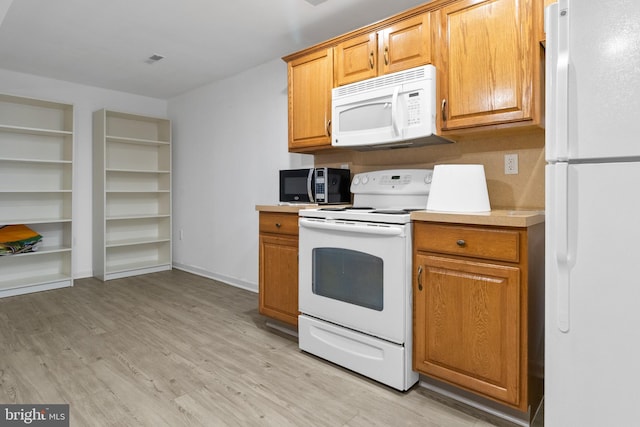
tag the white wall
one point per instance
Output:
(230, 140)
(86, 99)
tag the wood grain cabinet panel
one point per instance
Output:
(405, 45)
(356, 59)
(487, 63)
(400, 46)
(487, 53)
(278, 267)
(479, 309)
(310, 80)
(471, 241)
(471, 322)
(280, 223)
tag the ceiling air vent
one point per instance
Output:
(154, 58)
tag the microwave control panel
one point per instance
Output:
(320, 186)
(414, 108)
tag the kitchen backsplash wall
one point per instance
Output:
(522, 191)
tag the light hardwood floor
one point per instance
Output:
(175, 349)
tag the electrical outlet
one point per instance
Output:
(510, 164)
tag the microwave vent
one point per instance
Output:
(393, 79)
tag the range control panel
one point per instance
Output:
(396, 181)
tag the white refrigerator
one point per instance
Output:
(592, 291)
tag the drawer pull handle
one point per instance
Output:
(461, 243)
(278, 225)
(420, 278)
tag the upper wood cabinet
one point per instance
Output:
(356, 59)
(488, 63)
(310, 80)
(404, 45)
(400, 46)
(487, 53)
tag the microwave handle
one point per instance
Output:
(394, 111)
(310, 186)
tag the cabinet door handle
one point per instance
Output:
(386, 55)
(420, 278)
(278, 225)
(461, 243)
(371, 63)
(443, 109)
(329, 127)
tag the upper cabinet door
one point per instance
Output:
(400, 46)
(486, 63)
(356, 58)
(405, 45)
(310, 83)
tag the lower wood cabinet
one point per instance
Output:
(278, 276)
(478, 309)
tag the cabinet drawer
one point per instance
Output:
(280, 223)
(468, 241)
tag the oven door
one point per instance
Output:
(356, 275)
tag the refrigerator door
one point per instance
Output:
(592, 350)
(593, 80)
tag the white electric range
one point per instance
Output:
(355, 293)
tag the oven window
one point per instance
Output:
(350, 276)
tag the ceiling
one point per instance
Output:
(106, 43)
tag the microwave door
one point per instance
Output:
(366, 121)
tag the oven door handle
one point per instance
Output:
(380, 230)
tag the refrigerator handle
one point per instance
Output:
(561, 232)
(562, 82)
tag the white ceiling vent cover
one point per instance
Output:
(154, 58)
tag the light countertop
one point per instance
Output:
(497, 217)
(293, 208)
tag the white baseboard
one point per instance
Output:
(222, 278)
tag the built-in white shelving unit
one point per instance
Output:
(36, 183)
(132, 194)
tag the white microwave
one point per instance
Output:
(391, 111)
